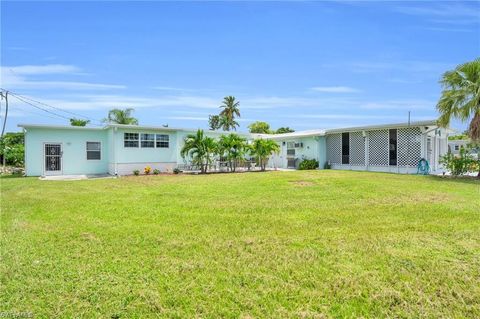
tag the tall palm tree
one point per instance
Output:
(119, 116)
(230, 110)
(232, 146)
(227, 124)
(461, 97)
(200, 149)
(262, 149)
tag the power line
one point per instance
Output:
(54, 107)
(40, 108)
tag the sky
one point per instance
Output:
(305, 65)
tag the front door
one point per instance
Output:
(291, 155)
(53, 158)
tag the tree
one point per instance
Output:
(230, 110)
(200, 149)
(12, 148)
(461, 97)
(259, 127)
(214, 122)
(119, 116)
(262, 149)
(232, 147)
(283, 130)
(78, 122)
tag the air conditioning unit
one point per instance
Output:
(298, 145)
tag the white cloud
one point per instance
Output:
(42, 69)
(406, 105)
(335, 89)
(19, 77)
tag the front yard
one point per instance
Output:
(279, 244)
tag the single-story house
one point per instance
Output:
(120, 149)
(395, 148)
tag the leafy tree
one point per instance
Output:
(12, 148)
(214, 122)
(259, 127)
(119, 116)
(200, 149)
(232, 147)
(283, 130)
(262, 149)
(230, 110)
(78, 122)
(461, 97)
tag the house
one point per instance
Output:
(395, 148)
(454, 146)
(120, 149)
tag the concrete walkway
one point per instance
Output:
(74, 177)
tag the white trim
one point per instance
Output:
(86, 151)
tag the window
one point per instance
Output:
(94, 151)
(130, 139)
(163, 140)
(392, 147)
(345, 148)
(147, 140)
(457, 147)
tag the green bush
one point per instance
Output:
(13, 149)
(156, 171)
(460, 164)
(136, 172)
(176, 170)
(308, 164)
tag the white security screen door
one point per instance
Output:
(53, 158)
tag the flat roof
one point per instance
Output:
(307, 133)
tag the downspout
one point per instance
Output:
(115, 169)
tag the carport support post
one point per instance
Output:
(367, 142)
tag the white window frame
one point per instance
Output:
(142, 140)
(129, 140)
(86, 151)
(157, 141)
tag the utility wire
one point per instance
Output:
(40, 108)
(29, 101)
(54, 107)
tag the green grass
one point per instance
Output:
(261, 245)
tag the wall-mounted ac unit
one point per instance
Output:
(298, 145)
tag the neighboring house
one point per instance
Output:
(454, 146)
(120, 149)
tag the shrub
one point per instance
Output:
(460, 164)
(156, 171)
(308, 164)
(136, 172)
(147, 170)
(176, 170)
(327, 165)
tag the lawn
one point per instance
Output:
(298, 244)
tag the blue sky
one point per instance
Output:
(305, 65)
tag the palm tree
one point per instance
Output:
(232, 146)
(461, 97)
(226, 124)
(230, 110)
(200, 149)
(119, 116)
(262, 149)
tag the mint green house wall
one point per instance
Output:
(73, 142)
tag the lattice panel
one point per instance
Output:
(409, 143)
(357, 148)
(334, 148)
(378, 148)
